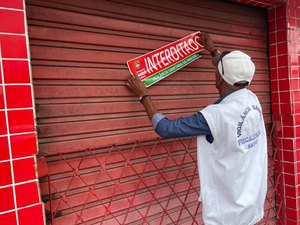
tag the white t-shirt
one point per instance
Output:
(233, 169)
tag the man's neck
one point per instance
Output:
(226, 89)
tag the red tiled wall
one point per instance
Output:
(260, 3)
(284, 50)
(19, 189)
(284, 40)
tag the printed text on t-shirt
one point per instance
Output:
(251, 140)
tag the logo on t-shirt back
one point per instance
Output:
(246, 135)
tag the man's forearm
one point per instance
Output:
(149, 107)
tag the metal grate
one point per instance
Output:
(146, 183)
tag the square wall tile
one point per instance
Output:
(3, 129)
(275, 86)
(298, 167)
(1, 81)
(14, 21)
(271, 14)
(27, 194)
(291, 202)
(297, 151)
(288, 144)
(25, 215)
(298, 22)
(23, 145)
(296, 106)
(295, 96)
(272, 26)
(281, 36)
(281, 23)
(20, 121)
(290, 179)
(18, 96)
(1, 98)
(288, 156)
(280, 11)
(275, 97)
(288, 221)
(273, 74)
(282, 48)
(13, 46)
(290, 191)
(285, 97)
(276, 109)
(273, 62)
(4, 150)
(294, 84)
(289, 132)
(8, 218)
(298, 61)
(293, 60)
(298, 180)
(16, 71)
(6, 199)
(15, 4)
(24, 169)
(291, 11)
(289, 167)
(283, 72)
(288, 121)
(297, 2)
(283, 60)
(272, 39)
(286, 108)
(292, 39)
(284, 85)
(294, 72)
(5, 174)
(273, 49)
(297, 123)
(291, 214)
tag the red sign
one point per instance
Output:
(166, 60)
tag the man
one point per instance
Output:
(231, 141)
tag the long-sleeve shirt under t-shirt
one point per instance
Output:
(194, 125)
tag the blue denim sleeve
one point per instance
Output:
(156, 119)
(194, 125)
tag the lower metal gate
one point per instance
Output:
(156, 184)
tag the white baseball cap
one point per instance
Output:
(236, 67)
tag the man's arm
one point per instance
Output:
(189, 126)
(182, 127)
(209, 45)
(138, 87)
(194, 125)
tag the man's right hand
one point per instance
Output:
(136, 85)
(207, 42)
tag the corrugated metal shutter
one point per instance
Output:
(106, 165)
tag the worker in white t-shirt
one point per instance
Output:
(231, 141)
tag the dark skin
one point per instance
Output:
(138, 87)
